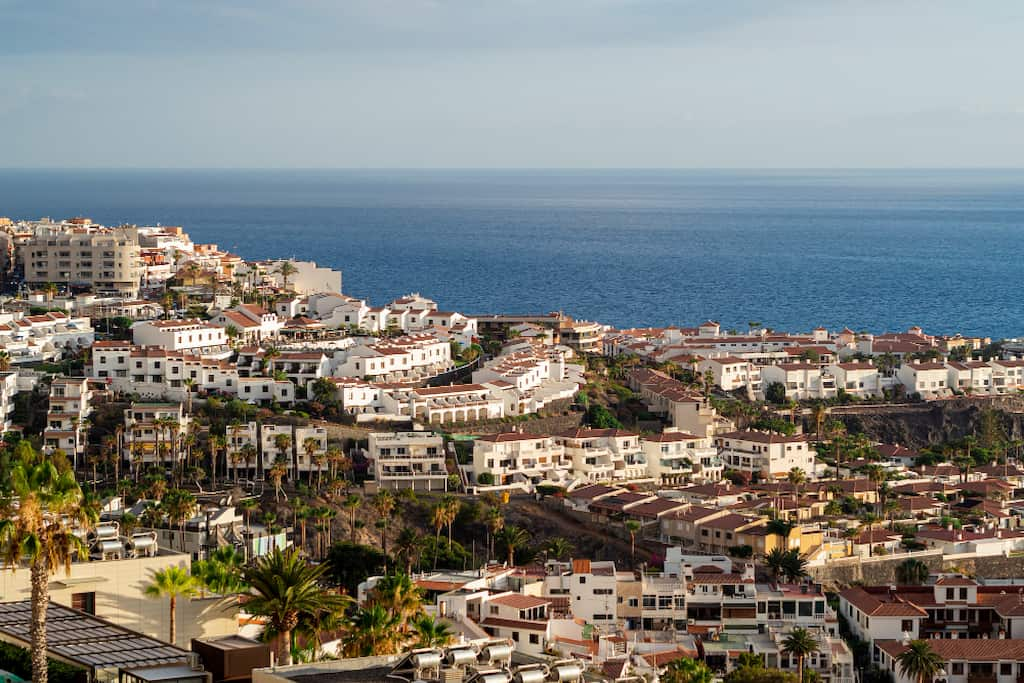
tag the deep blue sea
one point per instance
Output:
(877, 250)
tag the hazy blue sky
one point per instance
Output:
(511, 83)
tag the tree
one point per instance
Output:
(400, 596)
(406, 546)
(221, 572)
(800, 643)
(920, 662)
(912, 572)
(558, 548)
(352, 503)
(495, 521)
(349, 564)
(372, 631)
(431, 632)
(796, 477)
(775, 393)
(632, 528)
(870, 519)
(686, 670)
(277, 472)
(323, 390)
(37, 524)
(286, 269)
(384, 504)
(172, 582)
(512, 538)
(179, 505)
(284, 589)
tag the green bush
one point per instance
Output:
(19, 662)
(485, 479)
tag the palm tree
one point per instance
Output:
(173, 583)
(277, 472)
(384, 503)
(800, 643)
(400, 596)
(431, 632)
(686, 670)
(352, 503)
(249, 454)
(283, 444)
(179, 505)
(284, 588)
(870, 519)
(558, 548)
(221, 572)
(495, 522)
(450, 504)
(372, 631)
(794, 566)
(775, 561)
(796, 477)
(920, 662)
(513, 538)
(912, 572)
(37, 524)
(310, 445)
(406, 546)
(286, 269)
(633, 528)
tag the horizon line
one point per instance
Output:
(575, 169)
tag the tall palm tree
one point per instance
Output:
(451, 506)
(406, 546)
(38, 524)
(632, 528)
(384, 503)
(797, 478)
(286, 270)
(284, 588)
(513, 538)
(283, 444)
(352, 503)
(179, 505)
(495, 522)
(277, 472)
(438, 517)
(249, 454)
(172, 582)
(431, 632)
(920, 662)
(310, 445)
(870, 519)
(800, 643)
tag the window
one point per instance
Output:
(950, 593)
(515, 636)
(534, 639)
(963, 593)
(650, 602)
(583, 579)
(1005, 668)
(907, 626)
(84, 602)
(602, 591)
(957, 669)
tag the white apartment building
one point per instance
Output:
(69, 407)
(308, 278)
(33, 338)
(102, 259)
(731, 373)
(253, 323)
(409, 358)
(277, 443)
(929, 379)
(766, 455)
(439, 405)
(803, 381)
(971, 377)
(238, 437)
(152, 433)
(181, 335)
(520, 618)
(311, 450)
(8, 389)
(516, 458)
(856, 378)
(301, 367)
(605, 454)
(677, 457)
(1007, 375)
(408, 460)
(264, 390)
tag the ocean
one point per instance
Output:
(872, 250)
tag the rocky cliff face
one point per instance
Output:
(920, 424)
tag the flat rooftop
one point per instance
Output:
(87, 641)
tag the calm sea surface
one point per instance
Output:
(877, 250)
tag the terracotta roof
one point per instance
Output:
(519, 601)
(872, 606)
(966, 649)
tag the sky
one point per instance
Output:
(511, 83)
